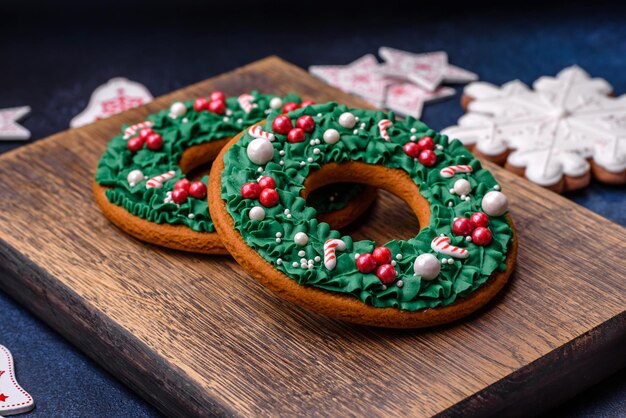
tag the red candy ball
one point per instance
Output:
(296, 135)
(182, 184)
(428, 158)
(462, 226)
(386, 273)
(197, 190)
(250, 191)
(217, 106)
(366, 263)
(306, 123)
(154, 142)
(290, 106)
(267, 182)
(269, 198)
(200, 104)
(145, 133)
(135, 144)
(426, 143)
(479, 219)
(382, 255)
(217, 96)
(482, 236)
(180, 196)
(282, 125)
(411, 149)
(307, 103)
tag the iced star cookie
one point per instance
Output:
(557, 134)
(462, 256)
(141, 183)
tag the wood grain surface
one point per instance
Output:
(196, 336)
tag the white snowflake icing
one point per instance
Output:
(553, 129)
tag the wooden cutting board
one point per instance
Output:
(195, 335)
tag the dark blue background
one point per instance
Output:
(53, 55)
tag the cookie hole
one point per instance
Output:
(388, 218)
(399, 210)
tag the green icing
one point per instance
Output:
(179, 133)
(365, 144)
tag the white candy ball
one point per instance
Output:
(462, 187)
(331, 136)
(347, 120)
(276, 103)
(301, 238)
(135, 177)
(178, 109)
(495, 203)
(257, 213)
(427, 266)
(260, 151)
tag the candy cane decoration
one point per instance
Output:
(441, 244)
(157, 181)
(257, 132)
(245, 101)
(132, 129)
(330, 246)
(382, 128)
(451, 170)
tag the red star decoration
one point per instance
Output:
(3, 397)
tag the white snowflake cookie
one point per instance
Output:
(555, 133)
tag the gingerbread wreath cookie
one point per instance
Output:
(141, 185)
(557, 134)
(462, 256)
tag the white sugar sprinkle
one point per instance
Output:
(310, 159)
(301, 253)
(278, 235)
(399, 257)
(317, 258)
(316, 151)
(295, 264)
(400, 283)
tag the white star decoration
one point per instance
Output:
(426, 70)
(553, 130)
(368, 79)
(9, 128)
